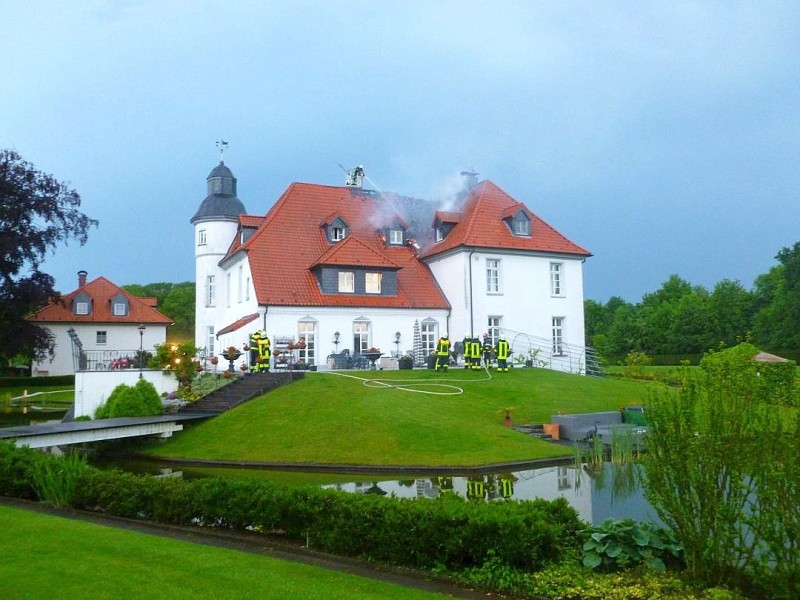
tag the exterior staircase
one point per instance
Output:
(534, 429)
(245, 388)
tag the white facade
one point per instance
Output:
(212, 299)
(103, 340)
(535, 298)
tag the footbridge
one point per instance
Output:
(80, 432)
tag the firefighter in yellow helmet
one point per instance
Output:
(253, 345)
(442, 353)
(264, 352)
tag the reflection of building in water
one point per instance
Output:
(594, 496)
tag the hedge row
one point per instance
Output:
(449, 532)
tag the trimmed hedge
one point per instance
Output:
(449, 532)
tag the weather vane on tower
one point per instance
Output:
(222, 145)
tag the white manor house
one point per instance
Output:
(348, 269)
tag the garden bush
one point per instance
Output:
(141, 400)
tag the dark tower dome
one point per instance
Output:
(221, 201)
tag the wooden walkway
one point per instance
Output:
(79, 432)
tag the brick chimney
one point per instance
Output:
(82, 278)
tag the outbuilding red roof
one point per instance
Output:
(101, 291)
(482, 225)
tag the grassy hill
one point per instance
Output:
(337, 419)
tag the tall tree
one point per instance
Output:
(777, 324)
(37, 213)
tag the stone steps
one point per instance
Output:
(245, 388)
(534, 429)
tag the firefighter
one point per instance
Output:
(487, 349)
(254, 337)
(507, 486)
(476, 488)
(442, 353)
(466, 351)
(445, 484)
(502, 354)
(264, 352)
(476, 353)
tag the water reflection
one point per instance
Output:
(595, 491)
(607, 490)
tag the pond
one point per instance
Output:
(596, 494)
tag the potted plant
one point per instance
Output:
(405, 362)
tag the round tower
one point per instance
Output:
(215, 225)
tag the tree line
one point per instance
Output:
(684, 319)
(174, 300)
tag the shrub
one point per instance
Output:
(140, 400)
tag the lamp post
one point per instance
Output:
(336, 342)
(141, 329)
(397, 344)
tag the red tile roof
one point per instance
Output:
(290, 242)
(482, 226)
(101, 291)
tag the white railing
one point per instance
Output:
(530, 350)
(110, 360)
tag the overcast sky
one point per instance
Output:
(663, 137)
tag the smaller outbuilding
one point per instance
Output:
(99, 326)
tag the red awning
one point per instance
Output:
(237, 324)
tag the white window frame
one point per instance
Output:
(361, 336)
(101, 338)
(202, 237)
(120, 309)
(338, 234)
(210, 340)
(439, 233)
(558, 335)
(240, 283)
(307, 330)
(211, 291)
(228, 289)
(81, 308)
(396, 237)
(557, 279)
(493, 329)
(493, 276)
(247, 290)
(428, 331)
(372, 282)
(347, 282)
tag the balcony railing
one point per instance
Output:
(109, 360)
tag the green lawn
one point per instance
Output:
(332, 419)
(52, 557)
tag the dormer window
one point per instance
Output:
(337, 230)
(439, 234)
(519, 223)
(82, 304)
(396, 237)
(119, 306)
